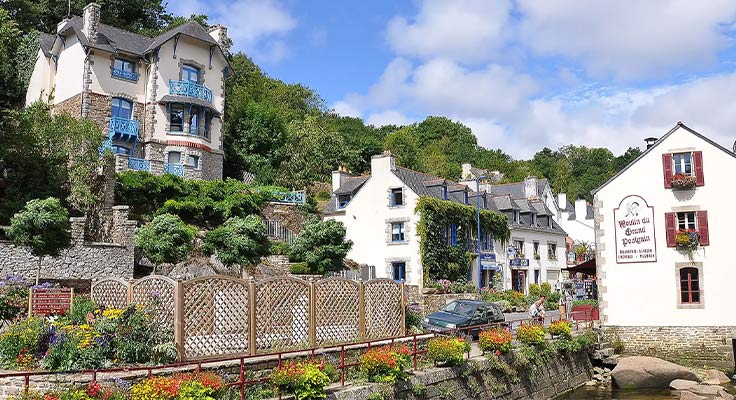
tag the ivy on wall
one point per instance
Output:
(440, 259)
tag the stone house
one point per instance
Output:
(159, 101)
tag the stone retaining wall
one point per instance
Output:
(430, 303)
(687, 345)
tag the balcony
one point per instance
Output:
(123, 74)
(174, 169)
(191, 89)
(297, 197)
(123, 129)
(139, 164)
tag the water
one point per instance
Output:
(609, 392)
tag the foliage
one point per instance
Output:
(20, 345)
(585, 302)
(688, 241)
(534, 290)
(566, 345)
(512, 297)
(93, 391)
(560, 328)
(13, 297)
(683, 181)
(413, 318)
(239, 241)
(11, 83)
(82, 306)
(449, 350)
(42, 226)
(587, 339)
(386, 364)
(305, 380)
(321, 246)
(531, 334)
(445, 286)
(495, 340)
(437, 256)
(183, 386)
(166, 239)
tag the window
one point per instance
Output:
(519, 246)
(536, 276)
(124, 69)
(398, 271)
(174, 157)
(193, 161)
(117, 149)
(194, 118)
(465, 197)
(444, 193)
(207, 123)
(176, 118)
(683, 163)
(534, 219)
(486, 241)
(552, 251)
(516, 216)
(343, 200)
(453, 234)
(190, 73)
(397, 232)
(536, 248)
(686, 220)
(689, 286)
(397, 197)
(121, 108)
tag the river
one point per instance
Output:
(612, 393)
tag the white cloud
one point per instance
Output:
(632, 40)
(463, 30)
(388, 117)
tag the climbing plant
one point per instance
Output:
(440, 259)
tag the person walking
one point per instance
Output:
(568, 304)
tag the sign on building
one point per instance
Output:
(488, 261)
(634, 230)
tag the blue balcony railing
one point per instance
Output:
(174, 169)
(123, 74)
(123, 128)
(106, 145)
(191, 89)
(297, 197)
(139, 164)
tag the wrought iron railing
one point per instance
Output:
(174, 169)
(191, 89)
(124, 127)
(139, 164)
(295, 197)
(123, 74)
(275, 230)
(106, 145)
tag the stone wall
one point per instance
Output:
(71, 106)
(287, 214)
(430, 303)
(478, 380)
(687, 345)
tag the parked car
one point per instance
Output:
(463, 313)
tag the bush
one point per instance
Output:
(82, 306)
(322, 246)
(560, 328)
(13, 297)
(386, 364)
(587, 340)
(566, 345)
(21, 344)
(239, 241)
(414, 318)
(586, 302)
(165, 240)
(495, 340)
(300, 268)
(534, 290)
(189, 386)
(531, 334)
(278, 248)
(545, 289)
(305, 380)
(449, 350)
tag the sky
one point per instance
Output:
(522, 74)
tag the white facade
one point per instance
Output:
(575, 220)
(644, 280)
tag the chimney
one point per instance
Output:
(219, 33)
(466, 171)
(383, 163)
(530, 188)
(339, 177)
(61, 24)
(91, 21)
(561, 200)
(650, 141)
(581, 209)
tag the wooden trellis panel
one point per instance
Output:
(336, 310)
(156, 293)
(110, 293)
(383, 309)
(282, 313)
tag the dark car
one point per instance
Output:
(463, 313)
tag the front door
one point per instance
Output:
(518, 280)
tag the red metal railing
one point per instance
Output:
(279, 357)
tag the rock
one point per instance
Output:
(591, 383)
(716, 374)
(598, 377)
(682, 384)
(685, 395)
(597, 370)
(648, 372)
(706, 390)
(606, 370)
(714, 382)
(725, 395)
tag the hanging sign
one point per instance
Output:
(50, 301)
(634, 230)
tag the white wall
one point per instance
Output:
(579, 229)
(646, 294)
(104, 83)
(544, 264)
(70, 70)
(38, 86)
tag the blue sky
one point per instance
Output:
(521, 73)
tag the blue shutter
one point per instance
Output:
(453, 228)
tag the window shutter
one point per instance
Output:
(667, 169)
(703, 228)
(698, 162)
(670, 223)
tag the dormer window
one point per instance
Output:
(444, 193)
(534, 219)
(343, 200)
(397, 197)
(516, 216)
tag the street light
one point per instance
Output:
(477, 198)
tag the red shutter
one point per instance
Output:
(667, 169)
(670, 223)
(698, 162)
(703, 228)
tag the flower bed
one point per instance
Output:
(386, 364)
(531, 334)
(447, 350)
(305, 380)
(13, 298)
(683, 181)
(495, 340)
(444, 286)
(561, 329)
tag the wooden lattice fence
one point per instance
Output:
(221, 315)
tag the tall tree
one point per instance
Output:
(404, 144)
(12, 88)
(165, 240)
(631, 154)
(365, 140)
(321, 246)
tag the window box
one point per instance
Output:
(537, 257)
(683, 181)
(687, 239)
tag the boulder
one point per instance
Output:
(685, 395)
(723, 394)
(706, 390)
(716, 374)
(682, 384)
(648, 372)
(714, 382)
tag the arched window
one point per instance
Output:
(689, 286)
(122, 108)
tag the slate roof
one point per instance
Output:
(517, 189)
(352, 184)
(47, 43)
(192, 29)
(504, 202)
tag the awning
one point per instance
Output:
(587, 267)
(174, 98)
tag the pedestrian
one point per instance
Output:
(536, 310)
(568, 303)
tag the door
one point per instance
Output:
(518, 280)
(122, 108)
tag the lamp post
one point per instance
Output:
(477, 198)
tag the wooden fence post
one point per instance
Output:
(361, 310)
(403, 308)
(179, 335)
(312, 314)
(252, 345)
(130, 291)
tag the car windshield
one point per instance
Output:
(460, 308)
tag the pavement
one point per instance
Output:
(549, 316)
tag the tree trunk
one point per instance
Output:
(38, 270)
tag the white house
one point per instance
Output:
(159, 101)
(378, 213)
(658, 296)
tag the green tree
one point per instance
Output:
(404, 145)
(631, 154)
(364, 140)
(11, 85)
(321, 246)
(42, 226)
(239, 241)
(165, 240)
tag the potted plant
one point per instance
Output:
(687, 240)
(683, 181)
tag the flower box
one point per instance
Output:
(585, 312)
(687, 239)
(682, 181)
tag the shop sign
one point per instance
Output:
(519, 262)
(634, 230)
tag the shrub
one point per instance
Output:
(185, 386)
(586, 302)
(278, 248)
(82, 306)
(462, 286)
(13, 297)
(495, 340)
(534, 290)
(587, 340)
(414, 318)
(239, 241)
(545, 289)
(386, 364)
(560, 328)
(566, 345)
(531, 334)
(449, 350)
(20, 347)
(322, 246)
(299, 268)
(305, 380)
(165, 240)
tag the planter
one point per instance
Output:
(684, 182)
(585, 313)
